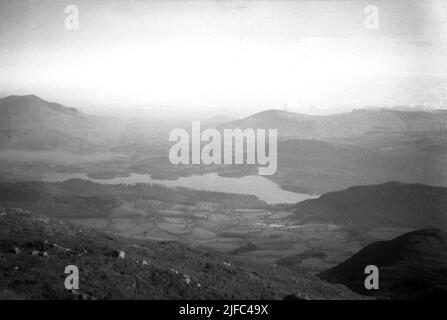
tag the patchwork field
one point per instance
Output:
(257, 235)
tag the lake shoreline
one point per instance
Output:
(259, 186)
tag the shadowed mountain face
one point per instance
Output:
(31, 123)
(412, 266)
(390, 204)
(32, 113)
(35, 251)
(333, 152)
(356, 123)
(323, 166)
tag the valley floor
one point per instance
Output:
(263, 236)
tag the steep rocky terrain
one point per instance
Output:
(34, 251)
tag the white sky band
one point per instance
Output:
(202, 58)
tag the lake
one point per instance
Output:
(259, 186)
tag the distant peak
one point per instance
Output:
(275, 111)
(35, 102)
(32, 96)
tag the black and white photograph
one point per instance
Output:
(223, 150)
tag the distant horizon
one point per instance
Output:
(146, 113)
(204, 58)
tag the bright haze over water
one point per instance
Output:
(211, 57)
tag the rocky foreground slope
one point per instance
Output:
(34, 251)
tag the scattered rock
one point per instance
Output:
(187, 279)
(115, 253)
(55, 245)
(16, 250)
(83, 253)
(81, 295)
(297, 296)
(39, 253)
(114, 273)
(253, 276)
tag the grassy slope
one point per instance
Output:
(391, 204)
(104, 276)
(413, 265)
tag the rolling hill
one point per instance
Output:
(391, 204)
(333, 152)
(81, 198)
(345, 125)
(412, 266)
(288, 123)
(316, 154)
(31, 123)
(30, 111)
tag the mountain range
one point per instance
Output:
(343, 125)
(26, 120)
(316, 154)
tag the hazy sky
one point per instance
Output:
(209, 57)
